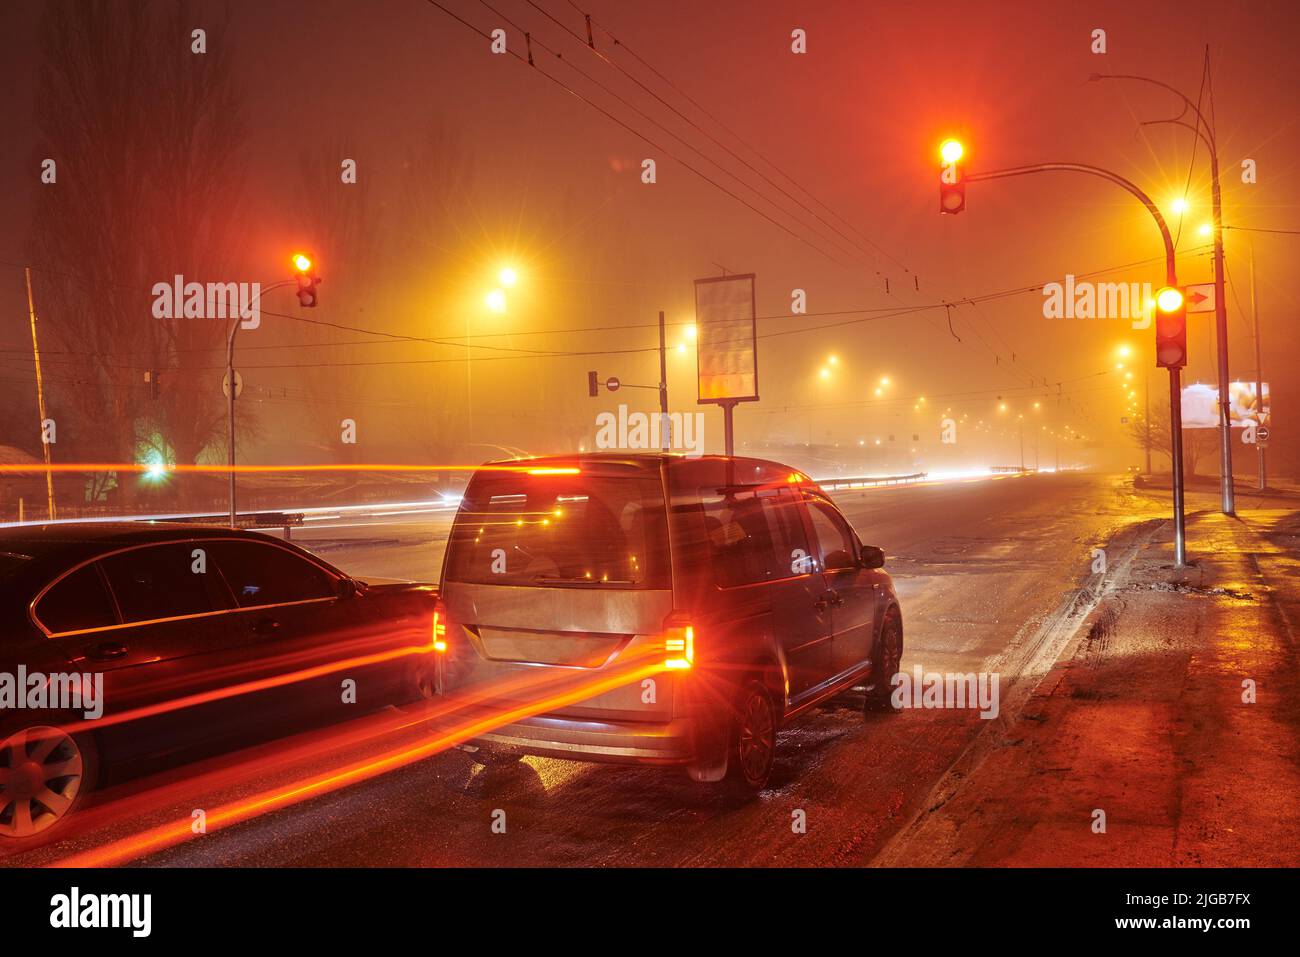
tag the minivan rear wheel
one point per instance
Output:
(753, 746)
(889, 658)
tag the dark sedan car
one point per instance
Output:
(125, 645)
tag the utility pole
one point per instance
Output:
(1259, 373)
(665, 423)
(1229, 503)
(40, 397)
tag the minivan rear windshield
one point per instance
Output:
(601, 528)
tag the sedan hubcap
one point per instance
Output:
(40, 777)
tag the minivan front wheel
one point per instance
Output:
(753, 748)
(889, 656)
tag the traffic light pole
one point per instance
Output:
(230, 392)
(1171, 278)
(1205, 131)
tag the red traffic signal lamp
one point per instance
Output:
(952, 182)
(307, 280)
(1171, 327)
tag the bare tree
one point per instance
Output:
(145, 135)
(1197, 443)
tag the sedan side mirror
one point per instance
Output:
(345, 588)
(873, 557)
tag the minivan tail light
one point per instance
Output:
(679, 644)
(440, 627)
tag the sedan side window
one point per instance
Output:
(158, 581)
(263, 574)
(834, 536)
(77, 602)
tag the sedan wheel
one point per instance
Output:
(42, 774)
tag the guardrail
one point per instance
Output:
(1010, 469)
(281, 520)
(870, 481)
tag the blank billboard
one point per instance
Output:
(726, 347)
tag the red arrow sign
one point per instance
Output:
(1201, 297)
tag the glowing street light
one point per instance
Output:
(302, 262)
(496, 300)
(508, 276)
(1179, 205)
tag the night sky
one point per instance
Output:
(468, 160)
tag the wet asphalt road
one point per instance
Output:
(983, 570)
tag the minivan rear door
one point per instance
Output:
(557, 579)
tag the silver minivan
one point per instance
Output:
(657, 609)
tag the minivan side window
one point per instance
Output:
(76, 602)
(834, 536)
(263, 574)
(157, 581)
(754, 535)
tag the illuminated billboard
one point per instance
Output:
(1201, 406)
(725, 342)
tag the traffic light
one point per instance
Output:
(307, 280)
(952, 183)
(593, 384)
(1171, 328)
